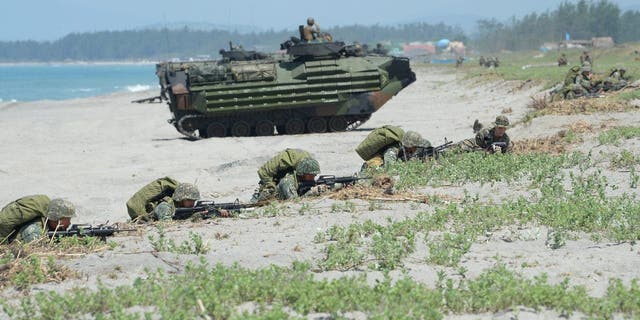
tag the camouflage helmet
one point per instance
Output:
(502, 121)
(310, 21)
(412, 139)
(60, 208)
(186, 191)
(307, 166)
(586, 68)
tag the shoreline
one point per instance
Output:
(79, 62)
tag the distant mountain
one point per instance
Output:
(203, 26)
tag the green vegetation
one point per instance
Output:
(582, 20)
(169, 43)
(541, 68)
(629, 95)
(584, 207)
(163, 243)
(460, 168)
(613, 136)
(220, 290)
(624, 160)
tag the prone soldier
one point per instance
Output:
(27, 218)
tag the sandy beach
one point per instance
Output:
(97, 152)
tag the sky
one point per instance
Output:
(43, 20)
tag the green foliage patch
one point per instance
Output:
(221, 289)
(613, 136)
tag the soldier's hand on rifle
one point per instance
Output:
(318, 189)
(224, 213)
(496, 149)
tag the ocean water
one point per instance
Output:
(29, 82)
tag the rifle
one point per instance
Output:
(434, 152)
(502, 145)
(209, 208)
(328, 180)
(148, 100)
(101, 231)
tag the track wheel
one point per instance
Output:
(216, 129)
(294, 126)
(338, 124)
(240, 129)
(264, 128)
(317, 125)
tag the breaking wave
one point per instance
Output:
(138, 88)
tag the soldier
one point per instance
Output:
(487, 138)
(280, 176)
(27, 218)
(389, 144)
(616, 80)
(562, 61)
(380, 49)
(584, 57)
(482, 61)
(581, 85)
(311, 31)
(159, 199)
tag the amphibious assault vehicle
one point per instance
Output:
(317, 87)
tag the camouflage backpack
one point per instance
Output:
(152, 192)
(571, 75)
(377, 140)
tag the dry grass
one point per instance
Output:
(22, 268)
(556, 144)
(553, 145)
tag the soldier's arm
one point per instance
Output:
(164, 210)
(390, 155)
(483, 138)
(287, 188)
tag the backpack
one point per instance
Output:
(152, 192)
(377, 140)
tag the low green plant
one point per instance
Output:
(163, 243)
(220, 289)
(628, 95)
(346, 206)
(624, 160)
(613, 136)
(449, 250)
(460, 168)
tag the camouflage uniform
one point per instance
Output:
(159, 199)
(25, 219)
(311, 30)
(275, 170)
(288, 187)
(485, 137)
(397, 151)
(616, 80)
(584, 57)
(482, 61)
(581, 85)
(562, 61)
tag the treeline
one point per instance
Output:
(582, 20)
(165, 43)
